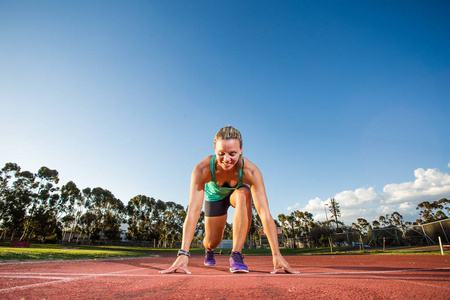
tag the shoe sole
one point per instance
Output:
(209, 264)
(238, 271)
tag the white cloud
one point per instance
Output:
(384, 210)
(406, 207)
(317, 207)
(448, 165)
(429, 185)
(315, 204)
(356, 197)
(294, 206)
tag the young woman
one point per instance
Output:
(224, 179)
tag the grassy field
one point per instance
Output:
(58, 252)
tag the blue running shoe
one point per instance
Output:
(237, 263)
(209, 258)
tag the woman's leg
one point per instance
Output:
(241, 200)
(214, 227)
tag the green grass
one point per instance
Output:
(403, 252)
(48, 251)
(57, 252)
(345, 251)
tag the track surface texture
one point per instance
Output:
(322, 277)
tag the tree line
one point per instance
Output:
(300, 224)
(34, 207)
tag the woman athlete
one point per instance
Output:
(224, 179)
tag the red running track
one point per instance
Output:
(322, 277)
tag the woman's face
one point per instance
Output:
(227, 153)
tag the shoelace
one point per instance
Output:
(238, 257)
(209, 255)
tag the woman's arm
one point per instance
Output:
(254, 178)
(195, 206)
(262, 207)
(199, 177)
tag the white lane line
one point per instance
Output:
(120, 273)
(414, 281)
(24, 287)
(67, 279)
(46, 261)
(81, 276)
(33, 276)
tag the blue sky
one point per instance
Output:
(344, 99)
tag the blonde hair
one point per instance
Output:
(229, 133)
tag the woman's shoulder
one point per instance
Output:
(202, 169)
(248, 164)
(250, 169)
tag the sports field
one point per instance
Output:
(322, 277)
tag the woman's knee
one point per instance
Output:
(241, 196)
(214, 227)
(212, 241)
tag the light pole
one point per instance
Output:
(329, 238)
(325, 208)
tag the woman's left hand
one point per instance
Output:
(279, 263)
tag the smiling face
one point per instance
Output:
(227, 153)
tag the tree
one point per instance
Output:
(335, 211)
(140, 209)
(174, 216)
(445, 204)
(285, 222)
(87, 226)
(15, 196)
(397, 220)
(303, 220)
(376, 224)
(44, 201)
(319, 234)
(228, 231)
(255, 227)
(7, 173)
(71, 195)
(363, 225)
(384, 221)
(109, 212)
(296, 224)
(200, 228)
(45, 226)
(87, 217)
(158, 218)
(433, 211)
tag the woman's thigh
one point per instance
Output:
(241, 194)
(214, 227)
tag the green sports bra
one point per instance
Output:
(215, 192)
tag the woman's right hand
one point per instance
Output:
(180, 263)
